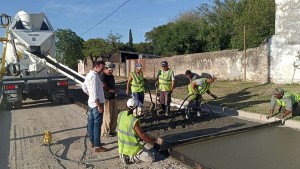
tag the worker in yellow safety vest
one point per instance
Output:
(195, 89)
(136, 81)
(129, 130)
(165, 83)
(288, 100)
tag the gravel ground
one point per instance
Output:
(22, 135)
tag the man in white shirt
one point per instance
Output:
(93, 87)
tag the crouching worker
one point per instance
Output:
(288, 100)
(196, 88)
(129, 135)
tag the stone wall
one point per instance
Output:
(285, 44)
(226, 65)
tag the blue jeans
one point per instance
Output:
(139, 97)
(94, 126)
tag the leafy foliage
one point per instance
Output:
(214, 27)
(68, 47)
(102, 48)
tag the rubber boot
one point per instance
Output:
(187, 114)
(163, 107)
(198, 112)
(167, 110)
(135, 112)
(139, 111)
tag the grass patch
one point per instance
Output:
(247, 96)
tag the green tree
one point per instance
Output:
(217, 24)
(175, 38)
(112, 45)
(258, 17)
(69, 47)
(144, 47)
(93, 48)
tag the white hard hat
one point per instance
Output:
(131, 103)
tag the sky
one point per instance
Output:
(84, 16)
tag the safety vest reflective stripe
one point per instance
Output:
(128, 142)
(128, 133)
(137, 83)
(202, 89)
(295, 98)
(165, 81)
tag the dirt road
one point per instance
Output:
(21, 140)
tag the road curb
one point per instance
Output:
(261, 118)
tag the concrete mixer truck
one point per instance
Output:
(28, 55)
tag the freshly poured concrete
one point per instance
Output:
(269, 148)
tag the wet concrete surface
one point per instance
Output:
(268, 148)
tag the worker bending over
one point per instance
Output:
(196, 88)
(129, 134)
(288, 100)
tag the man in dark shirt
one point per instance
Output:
(191, 76)
(110, 113)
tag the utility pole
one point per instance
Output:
(245, 63)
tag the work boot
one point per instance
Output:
(167, 110)
(135, 114)
(139, 111)
(199, 112)
(125, 159)
(163, 107)
(100, 149)
(187, 114)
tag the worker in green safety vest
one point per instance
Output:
(136, 81)
(195, 89)
(129, 130)
(165, 83)
(288, 100)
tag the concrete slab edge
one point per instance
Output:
(261, 118)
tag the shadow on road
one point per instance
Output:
(5, 126)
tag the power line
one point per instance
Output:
(106, 17)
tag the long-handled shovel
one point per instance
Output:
(156, 92)
(152, 106)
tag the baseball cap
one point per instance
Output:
(138, 65)
(278, 91)
(164, 63)
(211, 76)
(109, 66)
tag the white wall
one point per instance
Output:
(285, 44)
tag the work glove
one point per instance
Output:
(159, 141)
(214, 96)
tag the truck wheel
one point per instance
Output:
(1, 106)
(8, 106)
(49, 98)
(64, 100)
(56, 101)
(18, 105)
